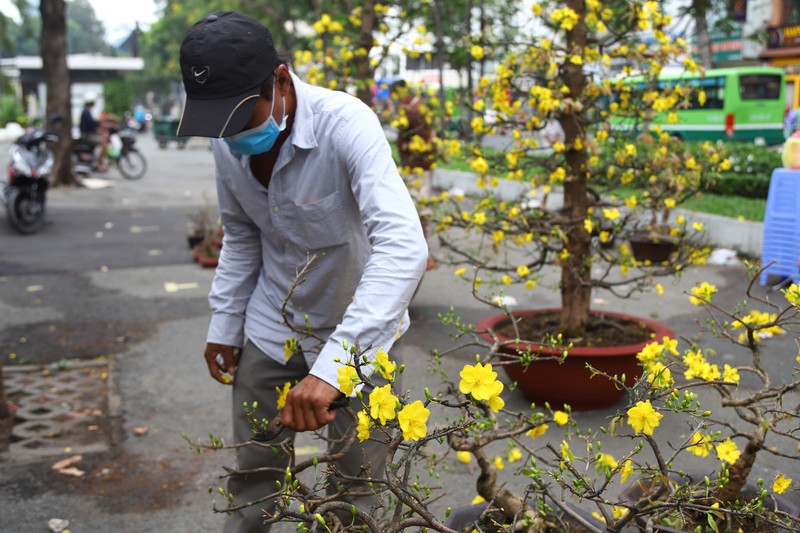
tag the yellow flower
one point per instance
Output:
(290, 347)
(700, 445)
(384, 365)
(464, 457)
(363, 427)
(476, 51)
(347, 379)
(792, 294)
(660, 376)
(496, 402)
(643, 418)
(479, 381)
(727, 451)
(523, 271)
(498, 463)
(729, 374)
(460, 271)
(705, 292)
(479, 165)
(780, 484)
(537, 431)
(625, 471)
(660, 289)
(282, 392)
(478, 499)
(566, 453)
(606, 461)
(560, 418)
(514, 455)
(611, 214)
(412, 420)
(383, 404)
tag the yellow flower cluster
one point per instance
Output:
(762, 322)
(565, 17)
(703, 293)
(326, 24)
(480, 382)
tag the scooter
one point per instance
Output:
(121, 151)
(30, 170)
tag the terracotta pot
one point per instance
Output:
(569, 381)
(635, 490)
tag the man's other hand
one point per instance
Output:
(222, 361)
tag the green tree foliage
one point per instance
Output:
(118, 96)
(85, 33)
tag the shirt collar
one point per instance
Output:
(303, 127)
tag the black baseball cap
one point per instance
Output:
(225, 58)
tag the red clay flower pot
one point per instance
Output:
(569, 381)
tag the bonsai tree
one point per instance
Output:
(540, 469)
(610, 171)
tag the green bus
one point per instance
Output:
(742, 104)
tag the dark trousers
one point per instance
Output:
(257, 379)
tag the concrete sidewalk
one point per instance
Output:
(154, 483)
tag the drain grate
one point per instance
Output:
(60, 408)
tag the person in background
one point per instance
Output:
(92, 130)
(301, 171)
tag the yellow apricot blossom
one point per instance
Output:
(383, 404)
(412, 419)
(643, 418)
(780, 484)
(347, 379)
(282, 392)
(727, 451)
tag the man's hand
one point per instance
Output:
(230, 360)
(307, 405)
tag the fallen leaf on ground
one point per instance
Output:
(69, 461)
(71, 471)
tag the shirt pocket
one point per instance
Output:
(319, 224)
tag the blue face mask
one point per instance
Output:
(261, 138)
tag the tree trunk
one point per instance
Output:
(364, 70)
(575, 269)
(467, 118)
(439, 55)
(703, 40)
(740, 470)
(53, 43)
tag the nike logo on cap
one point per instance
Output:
(201, 74)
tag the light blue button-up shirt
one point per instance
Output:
(335, 193)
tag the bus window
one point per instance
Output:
(759, 87)
(714, 88)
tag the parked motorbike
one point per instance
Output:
(121, 152)
(30, 170)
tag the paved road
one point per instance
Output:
(96, 282)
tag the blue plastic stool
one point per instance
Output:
(782, 228)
